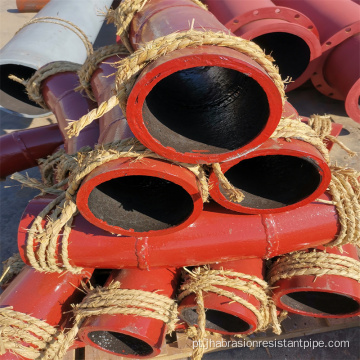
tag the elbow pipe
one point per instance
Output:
(277, 176)
(55, 292)
(132, 336)
(288, 35)
(41, 43)
(189, 105)
(59, 94)
(20, 150)
(218, 235)
(30, 5)
(224, 316)
(326, 296)
(140, 198)
(338, 73)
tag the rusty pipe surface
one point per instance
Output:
(140, 198)
(224, 316)
(133, 336)
(218, 235)
(67, 104)
(288, 35)
(30, 5)
(21, 149)
(45, 296)
(198, 105)
(326, 296)
(338, 73)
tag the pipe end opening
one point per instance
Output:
(119, 343)
(141, 203)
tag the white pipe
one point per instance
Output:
(38, 44)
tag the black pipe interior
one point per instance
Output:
(291, 52)
(13, 94)
(274, 181)
(315, 302)
(120, 343)
(141, 203)
(217, 320)
(208, 108)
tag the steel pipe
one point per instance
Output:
(224, 316)
(59, 94)
(338, 73)
(326, 296)
(140, 198)
(198, 105)
(277, 176)
(30, 5)
(218, 235)
(40, 43)
(21, 149)
(131, 335)
(45, 296)
(288, 35)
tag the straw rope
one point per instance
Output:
(42, 241)
(66, 24)
(112, 300)
(123, 15)
(90, 65)
(315, 263)
(17, 328)
(202, 279)
(33, 85)
(131, 66)
(11, 267)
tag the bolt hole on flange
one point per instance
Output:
(274, 181)
(317, 302)
(206, 108)
(141, 203)
(291, 52)
(217, 320)
(121, 344)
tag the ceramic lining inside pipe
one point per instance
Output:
(207, 108)
(142, 203)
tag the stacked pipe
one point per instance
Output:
(142, 211)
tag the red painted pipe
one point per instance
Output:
(218, 235)
(129, 335)
(338, 74)
(290, 37)
(45, 296)
(198, 105)
(21, 149)
(277, 176)
(140, 198)
(224, 316)
(327, 296)
(30, 5)
(67, 104)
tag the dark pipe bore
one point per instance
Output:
(291, 52)
(13, 94)
(120, 343)
(315, 302)
(206, 108)
(217, 320)
(274, 181)
(141, 203)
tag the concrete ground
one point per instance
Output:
(306, 100)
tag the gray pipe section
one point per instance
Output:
(38, 44)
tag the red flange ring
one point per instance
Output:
(330, 296)
(278, 176)
(279, 19)
(203, 105)
(140, 198)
